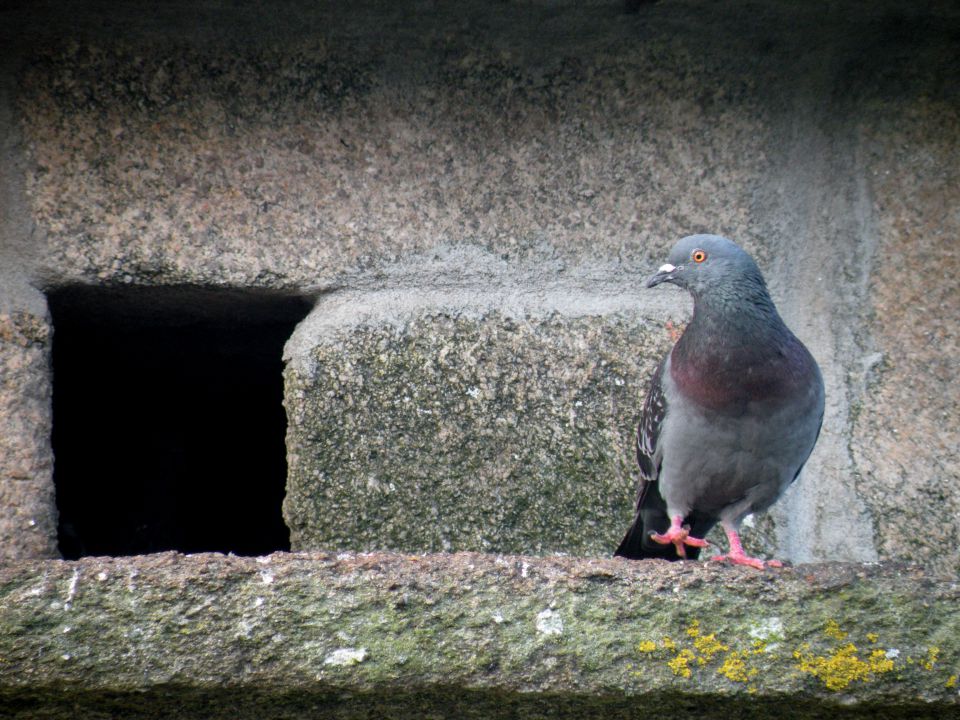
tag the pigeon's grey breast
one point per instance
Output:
(729, 465)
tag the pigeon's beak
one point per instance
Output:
(666, 273)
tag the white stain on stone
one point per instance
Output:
(266, 577)
(345, 656)
(244, 629)
(892, 654)
(767, 630)
(71, 589)
(549, 622)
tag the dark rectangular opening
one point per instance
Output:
(168, 423)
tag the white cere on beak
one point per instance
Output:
(667, 268)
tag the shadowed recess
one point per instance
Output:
(168, 423)
(441, 703)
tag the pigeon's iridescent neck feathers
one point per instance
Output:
(737, 350)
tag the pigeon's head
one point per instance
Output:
(701, 263)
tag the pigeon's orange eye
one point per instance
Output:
(698, 256)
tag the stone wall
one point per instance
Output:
(469, 196)
(473, 194)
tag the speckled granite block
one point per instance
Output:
(453, 429)
(907, 431)
(28, 514)
(366, 133)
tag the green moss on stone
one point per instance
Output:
(453, 433)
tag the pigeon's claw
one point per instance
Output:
(738, 557)
(742, 558)
(679, 536)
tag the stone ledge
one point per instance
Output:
(471, 635)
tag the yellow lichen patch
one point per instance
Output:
(951, 682)
(735, 668)
(880, 663)
(842, 666)
(931, 659)
(701, 648)
(833, 630)
(872, 637)
(681, 663)
(707, 646)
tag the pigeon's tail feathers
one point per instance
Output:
(652, 518)
(637, 545)
(631, 547)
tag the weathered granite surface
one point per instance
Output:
(445, 429)
(344, 135)
(907, 435)
(472, 635)
(491, 412)
(28, 514)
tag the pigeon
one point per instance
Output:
(732, 413)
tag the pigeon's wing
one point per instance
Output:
(651, 512)
(648, 430)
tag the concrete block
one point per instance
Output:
(336, 137)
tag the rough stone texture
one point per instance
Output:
(453, 426)
(312, 148)
(907, 434)
(866, 173)
(472, 635)
(28, 514)
(289, 161)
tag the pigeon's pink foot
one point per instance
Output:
(744, 559)
(738, 557)
(679, 537)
